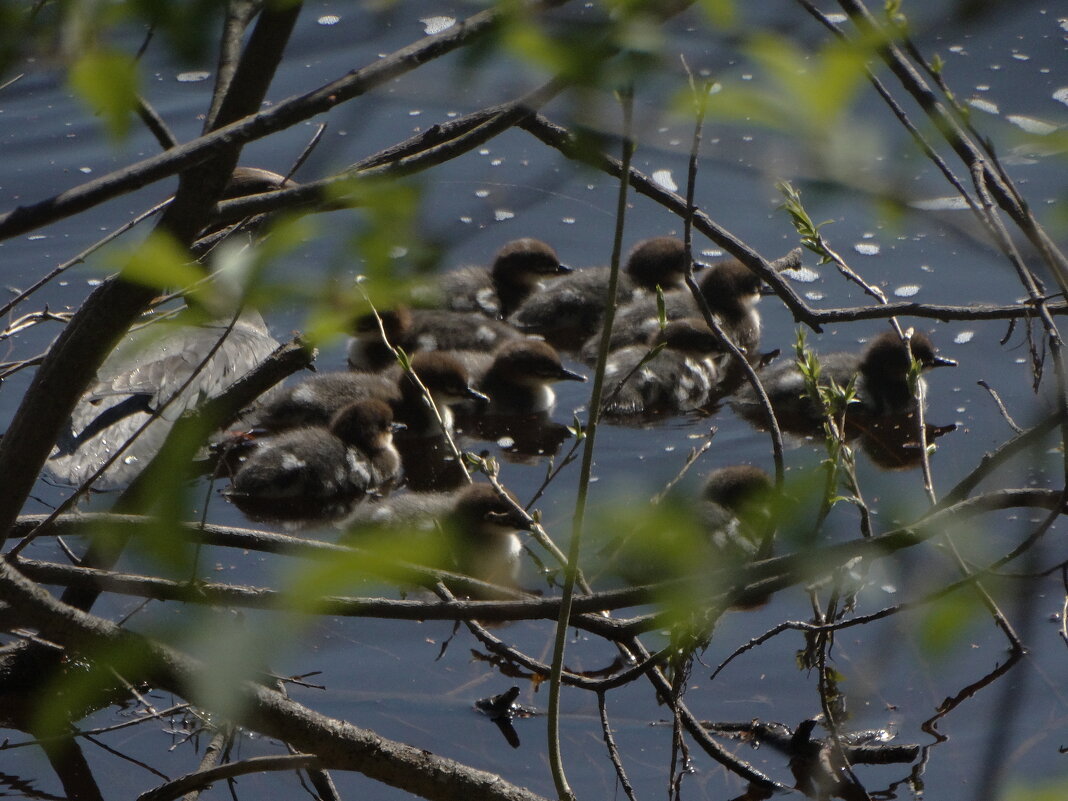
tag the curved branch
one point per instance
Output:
(338, 744)
(202, 778)
(283, 115)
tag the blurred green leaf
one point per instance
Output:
(819, 86)
(189, 27)
(721, 13)
(161, 263)
(380, 554)
(385, 249)
(798, 92)
(1047, 790)
(107, 81)
(607, 50)
(85, 683)
(946, 623)
(235, 648)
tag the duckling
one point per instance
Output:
(416, 330)
(480, 528)
(147, 373)
(571, 308)
(733, 509)
(736, 515)
(731, 291)
(881, 373)
(680, 378)
(518, 270)
(317, 399)
(696, 539)
(518, 376)
(302, 472)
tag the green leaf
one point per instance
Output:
(1047, 790)
(161, 263)
(946, 623)
(86, 683)
(107, 80)
(720, 13)
(379, 553)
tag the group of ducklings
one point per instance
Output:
(492, 347)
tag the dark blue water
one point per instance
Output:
(387, 676)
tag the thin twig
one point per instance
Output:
(572, 569)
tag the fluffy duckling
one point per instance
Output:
(733, 508)
(518, 270)
(731, 291)
(680, 378)
(480, 528)
(319, 398)
(571, 308)
(416, 330)
(483, 531)
(300, 472)
(736, 515)
(881, 372)
(518, 376)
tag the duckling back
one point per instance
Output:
(681, 377)
(571, 309)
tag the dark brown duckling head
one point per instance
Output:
(925, 353)
(519, 267)
(660, 261)
(730, 289)
(884, 369)
(530, 361)
(528, 258)
(738, 487)
(480, 506)
(885, 364)
(444, 376)
(367, 424)
(519, 378)
(367, 351)
(395, 322)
